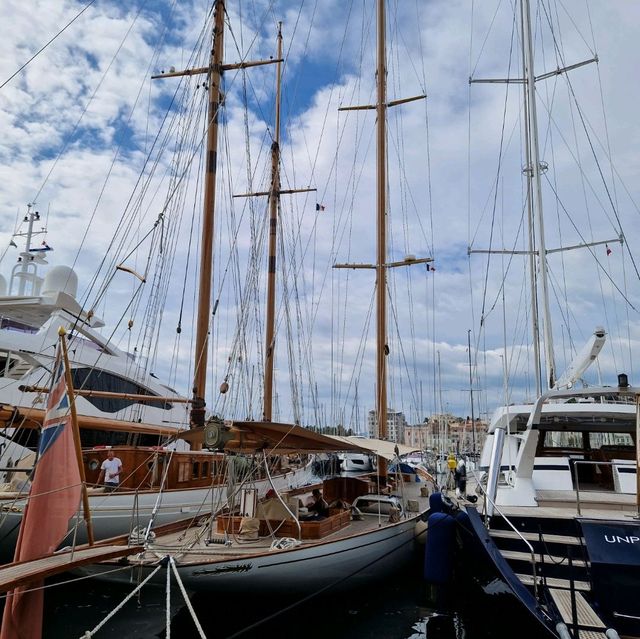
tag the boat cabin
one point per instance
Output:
(143, 468)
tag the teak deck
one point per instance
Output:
(27, 572)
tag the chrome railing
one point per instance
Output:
(515, 530)
(587, 462)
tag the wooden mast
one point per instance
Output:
(274, 194)
(274, 204)
(206, 243)
(214, 77)
(382, 348)
(381, 265)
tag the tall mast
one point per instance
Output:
(206, 241)
(214, 72)
(381, 208)
(381, 265)
(274, 194)
(274, 203)
(534, 202)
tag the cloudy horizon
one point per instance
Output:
(96, 144)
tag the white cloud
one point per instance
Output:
(333, 151)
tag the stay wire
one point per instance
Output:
(39, 51)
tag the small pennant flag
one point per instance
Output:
(12, 243)
(319, 207)
(430, 267)
(608, 249)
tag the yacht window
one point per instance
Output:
(604, 440)
(205, 469)
(93, 379)
(562, 439)
(12, 325)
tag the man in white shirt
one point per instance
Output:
(110, 471)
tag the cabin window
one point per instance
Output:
(205, 469)
(195, 472)
(184, 470)
(562, 439)
(97, 380)
(604, 440)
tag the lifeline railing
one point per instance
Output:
(518, 533)
(587, 462)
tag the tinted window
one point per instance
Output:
(88, 379)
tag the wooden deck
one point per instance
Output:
(195, 545)
(28, 572)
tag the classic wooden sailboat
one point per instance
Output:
(163, 479)
(370, 523)
(550, 547)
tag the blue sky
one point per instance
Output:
(443, 163)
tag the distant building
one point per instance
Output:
(446, 433)
(396, 423)
(417, 436)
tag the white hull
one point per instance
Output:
(309, 568)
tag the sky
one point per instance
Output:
(83, 121)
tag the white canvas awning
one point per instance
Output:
(378, 447)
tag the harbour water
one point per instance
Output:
(387, 610)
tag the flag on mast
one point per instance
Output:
(319, 207)
(608, 249)
(53, 499)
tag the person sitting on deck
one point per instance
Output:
(110, 471)
(318, 504)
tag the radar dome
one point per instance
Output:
(60, 279)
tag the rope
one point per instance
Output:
(192, 612)
(90, 633)
(168, 600)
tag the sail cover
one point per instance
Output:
(279, 438)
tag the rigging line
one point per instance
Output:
(591, 47)
(179, 87)
(408, 192)
(590, 249)
(498, 170)
(599, 167)
(403, 357)
(360, 351)
(37, 53)
(484, 42)
(90, 100)
(189, 246)
(130, 200)
(313, 162)
(151, 232)
(624, 279)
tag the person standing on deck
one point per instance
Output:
(110, 471)
(461, 479)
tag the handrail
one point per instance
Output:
(529, 546)
(597, 463)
